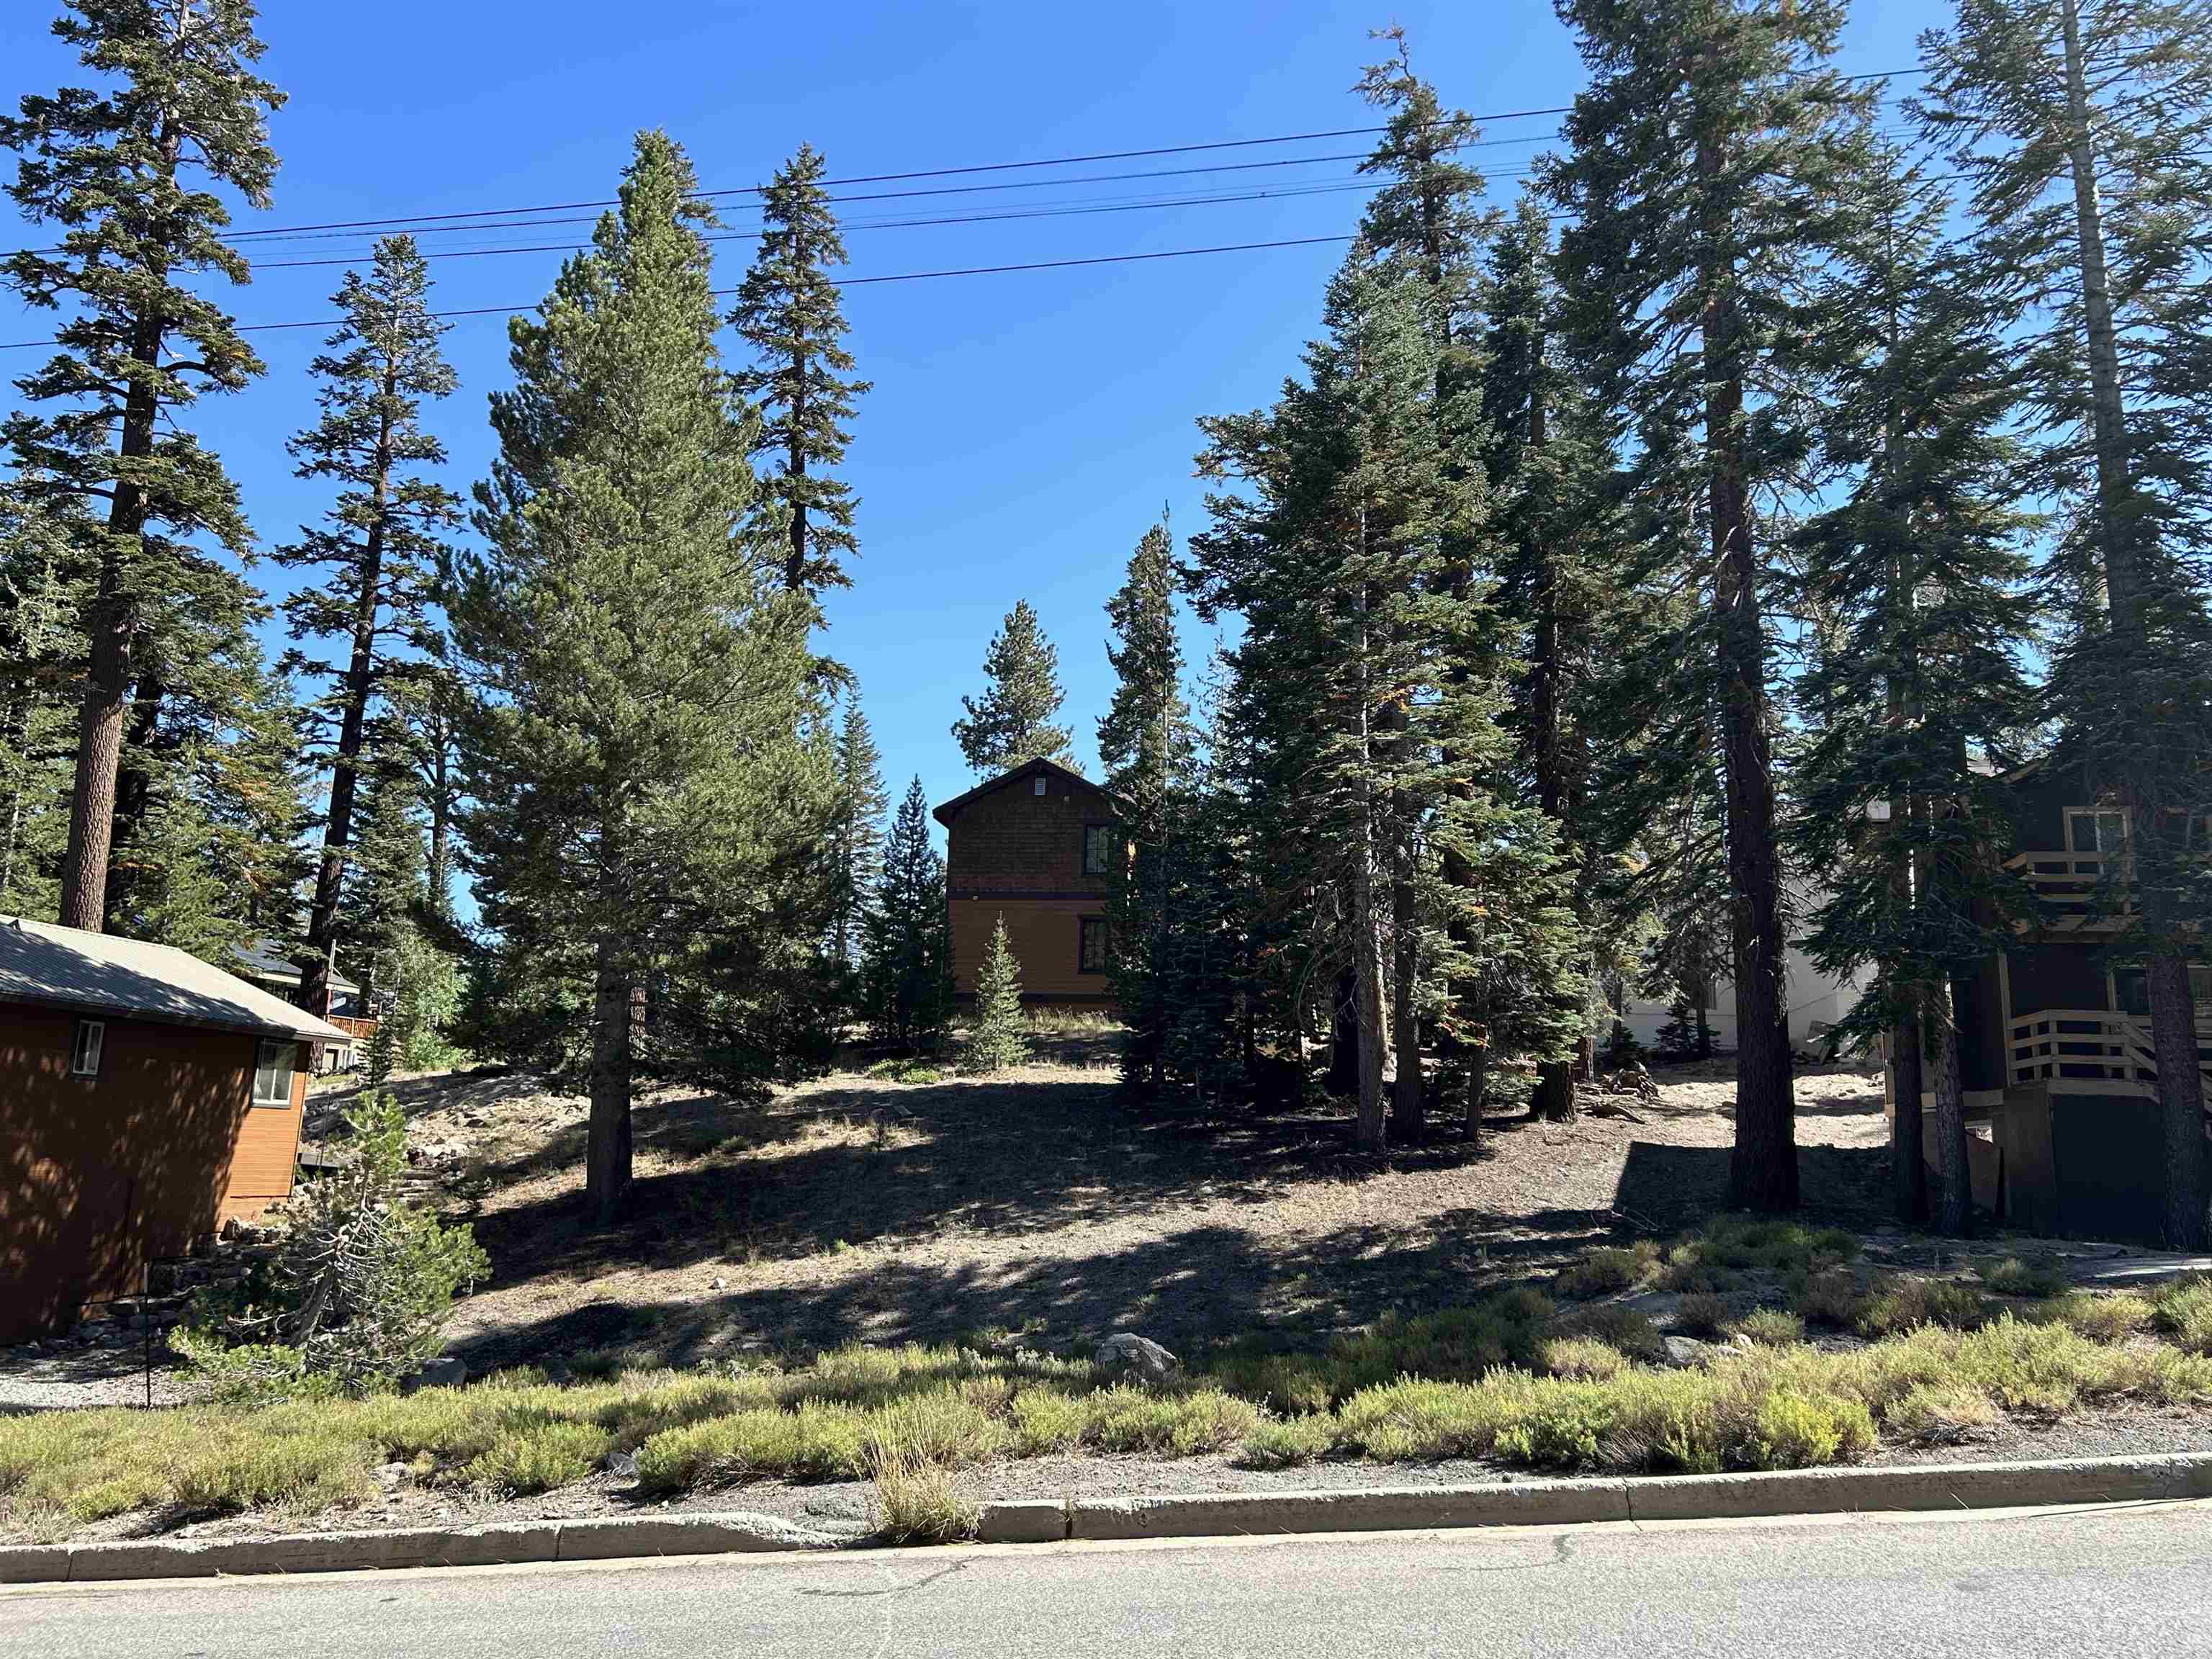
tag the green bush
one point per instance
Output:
(1585, 1357)
(1619, 1327)
(1895, 1305)
(1830, 1297)
(1604, 1270)
(1700, 1313)
(2110, 1316)
(2016, 1275)
(2183, 1309)
(360, 1286)
(539, 1457)
(1281, 1443)
(1939, 1413)
(1798, 1430)
(1773, 1327)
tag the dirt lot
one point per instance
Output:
(1038, 1202)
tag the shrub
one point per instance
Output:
(2111, 1317)
(1828, 1298)
(915, 1501)
(1798, 1430)
(1939, 1413)
(360, 1287)
(948, 1425)
(2183, 1309)
(1586, 1357)
(999, 1039)
(2015, 1275)
(1702, 1314)
(1604, 1270)
(1046, 1420)
(1773, 1327)
(1896, 1305)
(1631, 1331)
(539, 1457)
(1280, 1443)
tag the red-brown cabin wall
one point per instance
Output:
(99, 1176)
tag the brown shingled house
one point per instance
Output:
(1034, 845)
(146, 1096)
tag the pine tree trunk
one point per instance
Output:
(1367, 998)
(1408, 1105)
(1956, 1200)
(607, 1152)
(1763, 1167)
(2173, 1041)
(794, 569)
(337, 827)
(1478, 1091)
(1908, 1160)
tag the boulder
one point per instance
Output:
(1683, 1352)
(443, 1373)
(1128, 1357)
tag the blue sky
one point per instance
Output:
(1023, 428)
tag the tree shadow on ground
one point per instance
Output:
(1664, 1189)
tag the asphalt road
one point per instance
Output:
(2084, 1584)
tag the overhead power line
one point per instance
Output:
(840, 281)
(971, 170)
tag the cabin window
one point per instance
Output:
(272, 1073)
(2088, 830)
(84, 1051)
(1036, 784)
(1098, 843)
(2131, 992)
(1091, 952)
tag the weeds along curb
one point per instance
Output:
(1522, 1503)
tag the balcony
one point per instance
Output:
(2109, 1053)
(359, 1030)
(2067, 882)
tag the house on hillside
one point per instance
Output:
(2055, 1051)
(264, 962)
(1035, 845)
(146, 1097)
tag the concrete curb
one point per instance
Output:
(2171, 1476)
(612, 1538)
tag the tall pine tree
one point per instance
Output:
(858, 845)
(2084, 132)
(643, 792)
(1011, 721)
(800, 379)
(114, 167)
(378, 549)
(40, 654)
(1915, 582)
(1704, 173)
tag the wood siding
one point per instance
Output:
(1015, 853)
(99, 1176)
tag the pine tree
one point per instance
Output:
(1011, 722)
(423, 718)
(1703, 176)
(857, 847)
(1145, 741)
(906, 967)
(2083, 131)
(1916, 686)
(789, 313)
(41, 651)
(998, 1040)
(113, 168)
(1548, 458)
(643, 798)
(380, 546)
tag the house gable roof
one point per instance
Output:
(945, 813)
(100, 974)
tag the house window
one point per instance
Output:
(1036, 784)
(84, 1052)
(272, 1071)
(1098, 843)
(2088, 830)
(1092, 953)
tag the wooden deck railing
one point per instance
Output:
(359, 1030)
(2055, 1043)
(2067, 882)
